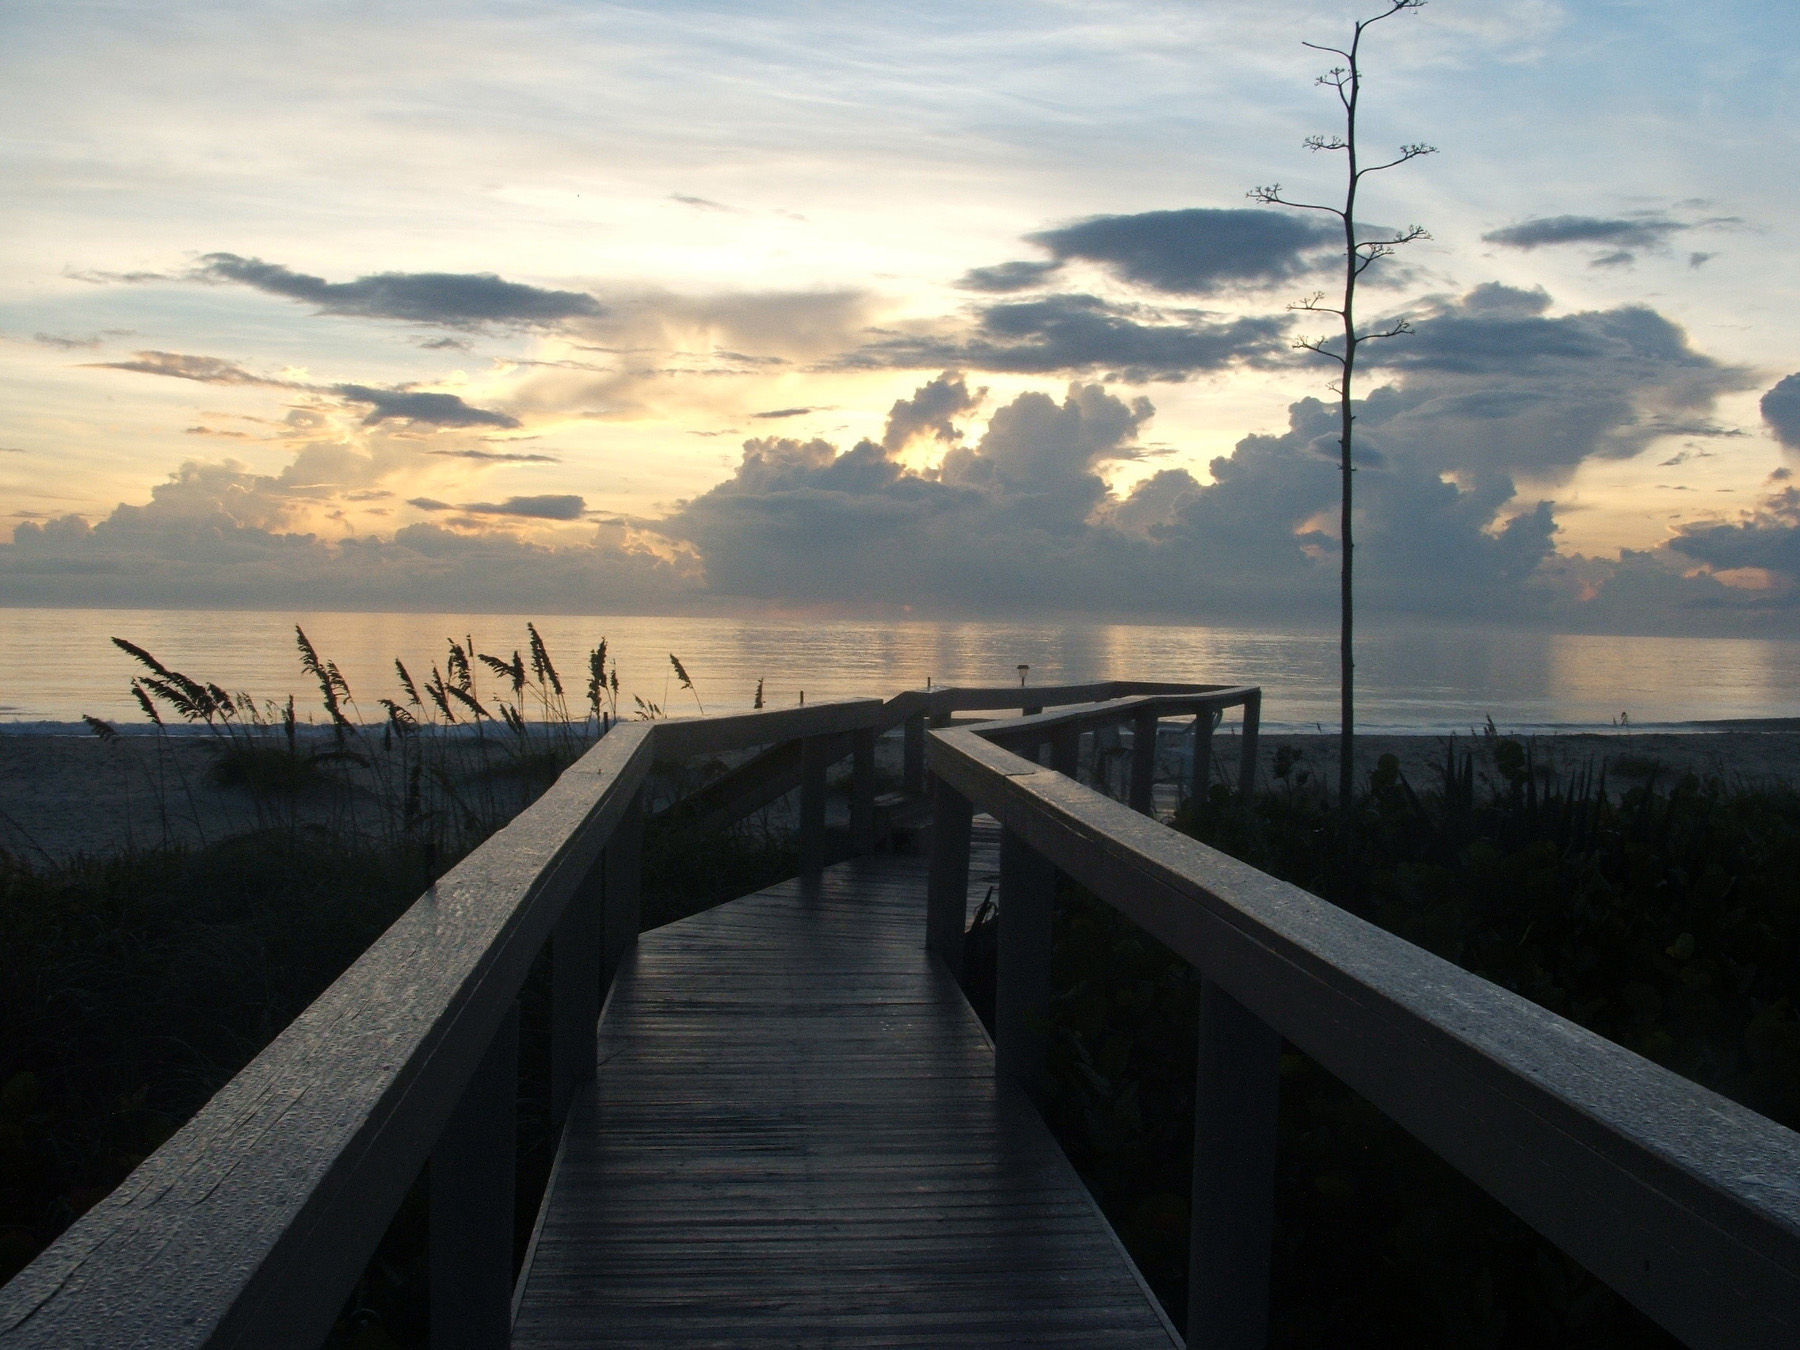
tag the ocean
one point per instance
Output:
(58, 665)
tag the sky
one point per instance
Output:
(913, 309)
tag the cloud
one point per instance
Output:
(701, 203)
(451, 299)
(931, 410)
(1766, 539)
(777, 413)
(1198, 251)
(1781, 410)
(1621, 232)
(64, 343)
(1076, 334)
(547, 507)
(219, 535)
(444, 410)
(1620, 238)
(497, 456)
(181, 366)
(1493, 385)
(1022, 521)
(1003, 278)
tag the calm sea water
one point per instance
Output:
(56, 665)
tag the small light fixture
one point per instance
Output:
(1023, 671)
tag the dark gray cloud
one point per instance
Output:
(1767, 538)
(1004, 278)
(1781, 410)
(1198, 251)
(497, 456)
(1616, 232)
(932, 410)
(700, 203)
(409, 405)
(181, 366)
(452, 299)
(1064, 334)
(1023, 521)
(1494, 385)
(775, 414)
(550, 506)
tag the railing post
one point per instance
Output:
(1065, 750)
(622, 908)
(1235, 1101)
(813, 759)
(947, 890)
(1200, 771)
(862, 790)
(1247, 750)
(471, 1203)
(575, 964)
(1022, 977)
(1143, 762)
(913, 754)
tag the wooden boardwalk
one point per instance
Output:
(795, 1138)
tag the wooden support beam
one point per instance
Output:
(814, 756)
(913, 754)
(1235, 1099)
(1065, 750)
(862, 790)
(1022, 983)
(1247, 747)
(1200, 771)
(947, 889)
(1143, 763)
(471, 1200)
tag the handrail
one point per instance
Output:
(1685, 1202)
(251, 1225)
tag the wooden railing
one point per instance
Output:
(251, 1225)
(1686, 1203)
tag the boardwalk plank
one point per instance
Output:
(795, 1138)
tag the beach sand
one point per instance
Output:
(68, 794)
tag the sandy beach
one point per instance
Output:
(72, 793)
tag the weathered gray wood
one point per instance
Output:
(1236, 1094)
(947, 888)
(250, 1226)
(576, 949)
(1022, 980)
(1683, 1201)
(1143, 762)
(252, 1223)
(679, 737)
(815, 756)
(752, 785)
(1065, 750)
(912, 754)
(797, 1138)
(862, 790)
(621, 906)
(1247, 744)
(1200, 772)
(471, 1203)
